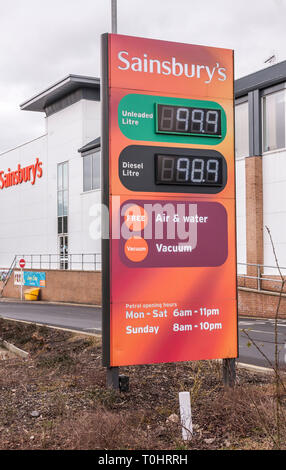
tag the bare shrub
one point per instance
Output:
(250, 411)
(102, 429)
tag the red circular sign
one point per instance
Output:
(22, 263)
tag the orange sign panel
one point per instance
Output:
(169, 251)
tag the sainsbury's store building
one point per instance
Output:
(50, 187)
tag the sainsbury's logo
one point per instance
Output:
(171, 67)
(21, 175)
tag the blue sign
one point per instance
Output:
(34, 279)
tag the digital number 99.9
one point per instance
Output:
(176, 119)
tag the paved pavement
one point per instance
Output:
(88, 319)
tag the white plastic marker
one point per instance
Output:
(186, 415)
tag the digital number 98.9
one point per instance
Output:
(186, 170)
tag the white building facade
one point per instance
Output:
(50, 187)
(261, 170)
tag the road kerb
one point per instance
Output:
(54, 327)
(13, 349)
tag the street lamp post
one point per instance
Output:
(114, 16)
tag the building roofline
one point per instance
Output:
(23, 144)
(94, 144)
(57, 91)
(269, 76)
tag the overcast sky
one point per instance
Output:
(42, 41)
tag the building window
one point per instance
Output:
(63, 249)
(274, 121)
(241, 130)
(63, 202)
(91, 171)
(63, 196)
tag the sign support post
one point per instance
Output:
(112, 377)
(229, 372)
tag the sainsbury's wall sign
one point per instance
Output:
(21, 175)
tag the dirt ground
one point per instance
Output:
(57, 399)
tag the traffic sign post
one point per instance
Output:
(169, 257)
(22, 264)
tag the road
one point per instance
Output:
(74, 317)
(262, 334)
(88, 319)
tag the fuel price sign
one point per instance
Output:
(169, 253)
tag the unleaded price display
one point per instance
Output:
(189, 121)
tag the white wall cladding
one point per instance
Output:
(25, 225)
(29, 212)
(241, 215)
(274, 207)
(92, 121)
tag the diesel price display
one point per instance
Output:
(188, 170)
(188, 120)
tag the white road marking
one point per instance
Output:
(265, 332)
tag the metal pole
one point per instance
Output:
(258, 277)
(114, 16)
(22, 284)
